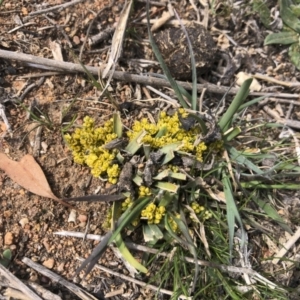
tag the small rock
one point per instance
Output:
(7, 213)
(13, 247)
(49, 263)
(76, 40)
(72, 216)
(8, 238)
(23, 222)
(82, 218)
(61, 267)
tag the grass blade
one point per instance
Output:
(238, 100)
(129, 215)
(128, 256)
(118, 127)
(232, 214)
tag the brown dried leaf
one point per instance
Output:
(28, 174)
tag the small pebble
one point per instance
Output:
(76, 40)
(61, 267)
(82, 218)
(23, 222)
(49, 263)
(72, 216)
(8, 238)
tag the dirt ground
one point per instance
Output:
(28, 221)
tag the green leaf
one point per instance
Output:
(6, 258)
(238, 100)
(232, 214)
(138, 180)
(241, 159)
(284, 38)
(152, 233)
(136, 143)
(171, 232)
(287, 15)
(279, 186)
(294, 54)
(167, 198)
(167, 186)
(168, 173)
(127, 255)
(162, 131)
(169, 151)
(97, 84)
(232, 134)
(251, 102)
(117, 123)
(262, 9)
(272, 213)
(129, 215)
(182, 225)
(295, 9)
(147, 150)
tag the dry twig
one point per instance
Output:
(18, 284)
(53, 8)
(82, 294)
(40, 62)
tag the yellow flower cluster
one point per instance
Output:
(169, 130)
(87, 143)
(173, 224)
(153, 213)
(127, 203)
(144, 191)
(107, 222)
(200, 209)
(207, 215)
(197, 208)
(173, 168)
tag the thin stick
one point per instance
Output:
(47, 10)
(18, 284)
(224, 268)
(273, 80)
(4, 118)
(56, 278)
(286, 247)
(123, 76)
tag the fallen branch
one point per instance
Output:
(40, 62)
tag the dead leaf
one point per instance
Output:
(28, 174)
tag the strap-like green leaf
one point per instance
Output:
(284, 38)
(127, 255)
